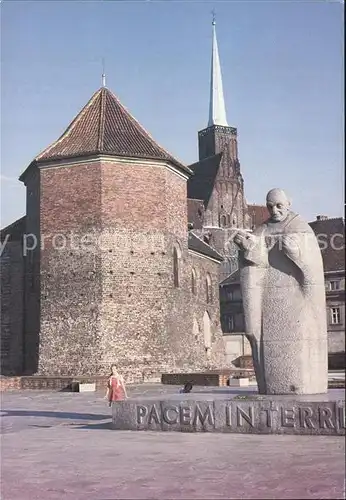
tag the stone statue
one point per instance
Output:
(282, 282)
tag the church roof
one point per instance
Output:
(232, 279)
(195, 212)
(258, 214)
(104, 126)
(199, 246)
(14, 230)
(200, 186)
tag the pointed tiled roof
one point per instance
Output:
(104, 126)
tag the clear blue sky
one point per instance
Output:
(282, 74)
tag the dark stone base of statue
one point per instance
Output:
(219, 410)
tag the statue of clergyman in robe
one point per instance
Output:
(282, 282)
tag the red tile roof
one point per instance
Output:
(258, 214)
(104, 126)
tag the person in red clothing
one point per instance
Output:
(116, 390)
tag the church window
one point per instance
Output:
(194, 282)
(208, 287)
(176, 266)
(335, 315)
(223, 220)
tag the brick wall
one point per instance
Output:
(71, 281)
(12, 285)
(116, 301)
(199, 307)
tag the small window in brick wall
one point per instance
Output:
(194, 282)
(208, 289)
(176, 266)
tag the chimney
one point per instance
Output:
(321, 217)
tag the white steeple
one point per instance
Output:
(217, 110)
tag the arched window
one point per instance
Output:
(223, 220)
(195, 329)
(194, 282)
(208, 289)
(176, 265)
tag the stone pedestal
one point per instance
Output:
(239, 411)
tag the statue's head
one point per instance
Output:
(278, 205)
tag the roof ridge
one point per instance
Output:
(71, 126)
(102, 120)
(6, 228)
(328, 219)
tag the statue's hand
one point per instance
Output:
(244, 240)
(290, 247)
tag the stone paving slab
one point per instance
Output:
(59, 446)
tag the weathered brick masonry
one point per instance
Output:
(12, 296)
(115, 300)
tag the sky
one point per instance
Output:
(282, 68)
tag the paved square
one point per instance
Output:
(58, 446)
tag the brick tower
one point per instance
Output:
(111, 271)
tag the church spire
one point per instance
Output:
(217, 110)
